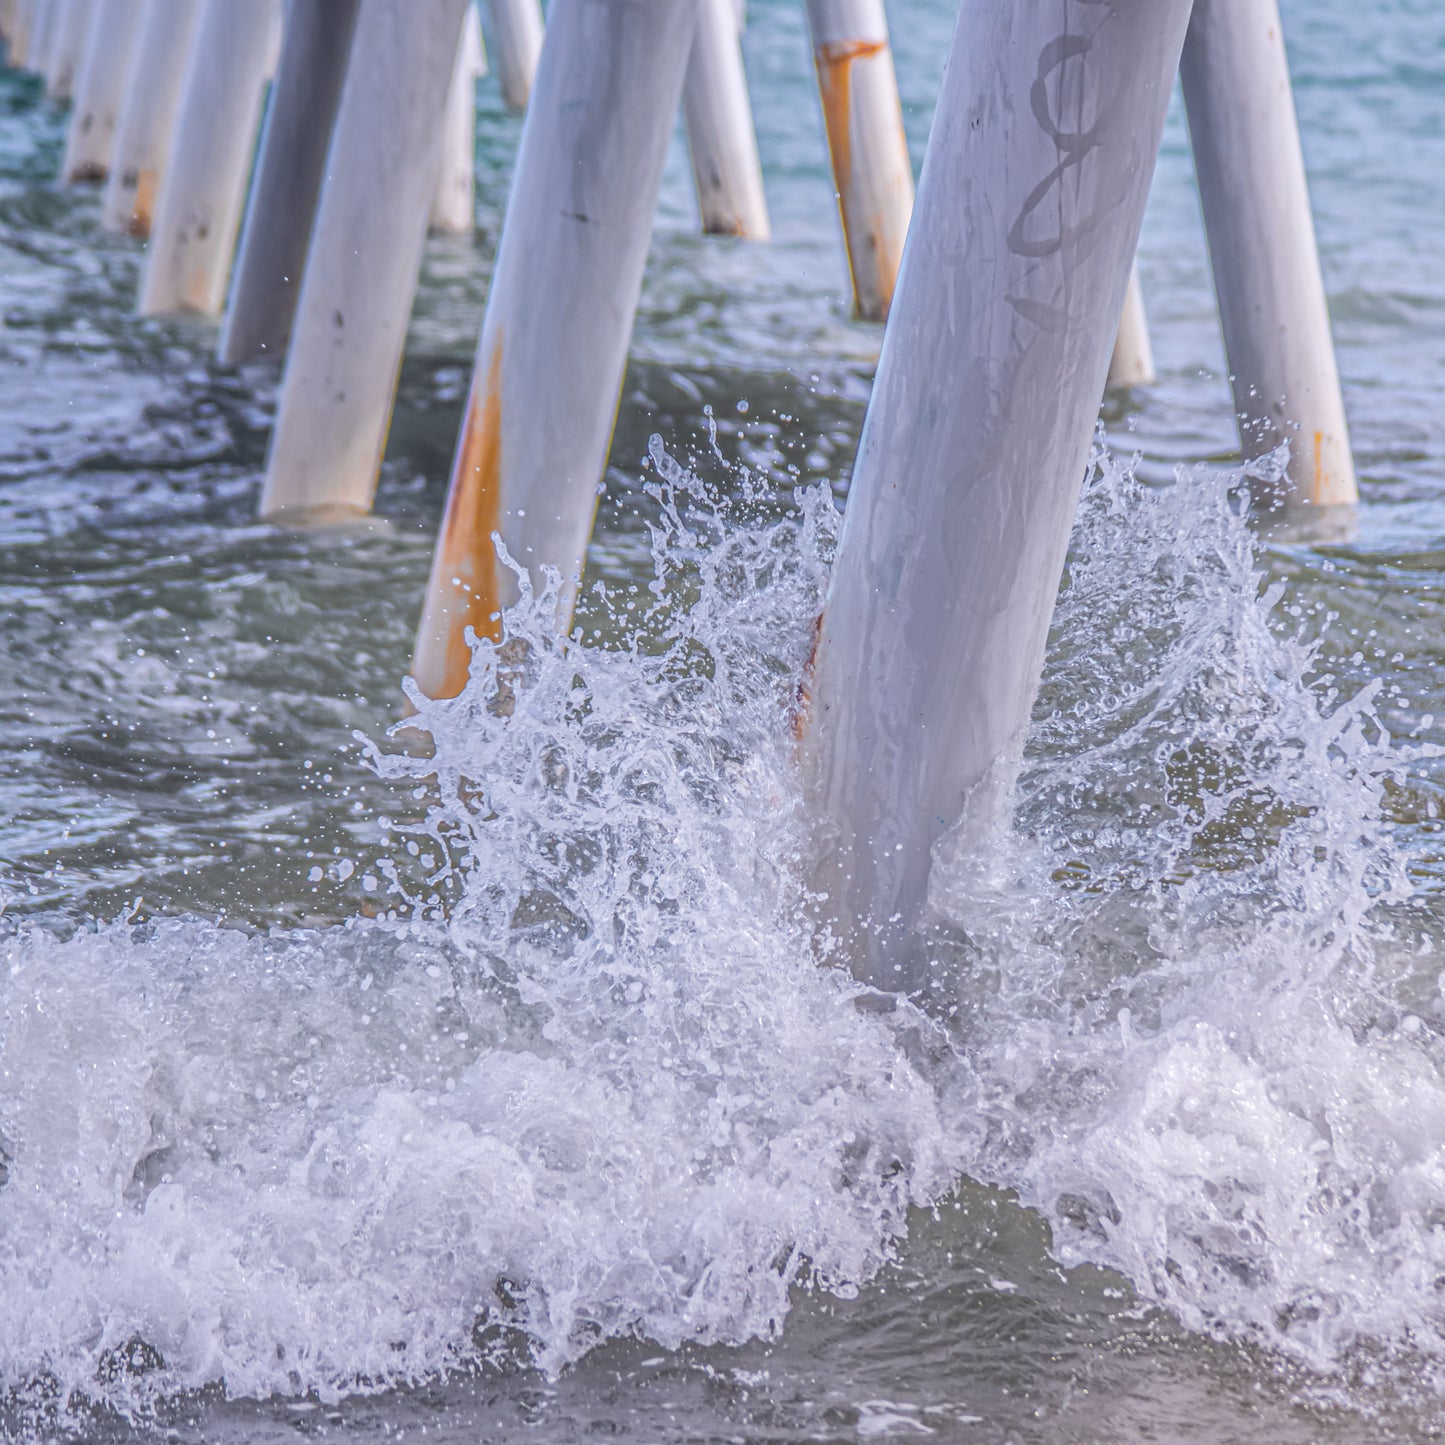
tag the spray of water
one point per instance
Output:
(586, 1080)
(1206, 1029)
(585, 1077)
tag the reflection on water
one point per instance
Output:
(595, 1147)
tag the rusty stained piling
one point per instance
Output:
(363, 261)
(203, 191)
(1255, 198)
(290, 164)
(863, 118)
(146, 128)
(454, 206)
(1132, 363)
(973, 451)
(721, 138)
(553, 348)
(100, 91)
(516, 47)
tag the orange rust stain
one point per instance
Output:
(803, 696)
(1319, 490)
(145, 203)
(474, 512)
(834, 61)
(835, 82)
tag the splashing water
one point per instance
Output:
(1204, 1015)
(611, 1093)
(585, 1078)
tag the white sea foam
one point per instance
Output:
(1206, 1020)
(612, 1093)
(588, 1080)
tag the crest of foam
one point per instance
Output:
(588, 1080)
(591, 1082)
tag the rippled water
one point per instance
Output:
(501, 1094)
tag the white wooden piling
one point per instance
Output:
(1132, 363)
(720, 135)
(553, 349)
(364, 259)
(974, 446)
(100, 91)
(516, 46)
(872, 174)
(146, 128)
(290, 165)
(72, 31)
(1255, 196)
(203, 191)
(454, 207)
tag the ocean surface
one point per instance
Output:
(346, 1095)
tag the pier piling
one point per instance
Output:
(42, 37)
(146, 127)
(516, 47)
(20, 23)
(863, 118)
(1255, 198)
(202, 192)
(100, 91)
(454, 206)
(69, 37)
(363, 261)
(290, 164)
(720, 134)
(1132, 363)
(553, 349)
(974, 447)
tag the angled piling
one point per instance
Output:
(974, 446)
(363, 261)
(516, 46)
(454, 206)
(290, 165)
(203, 190)
(721, 139)
(1255, 198)
(863, 119)
(549, 367)
(1132, 363)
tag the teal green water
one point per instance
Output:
(1171, 1166)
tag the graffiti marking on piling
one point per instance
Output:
(1073, 147)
